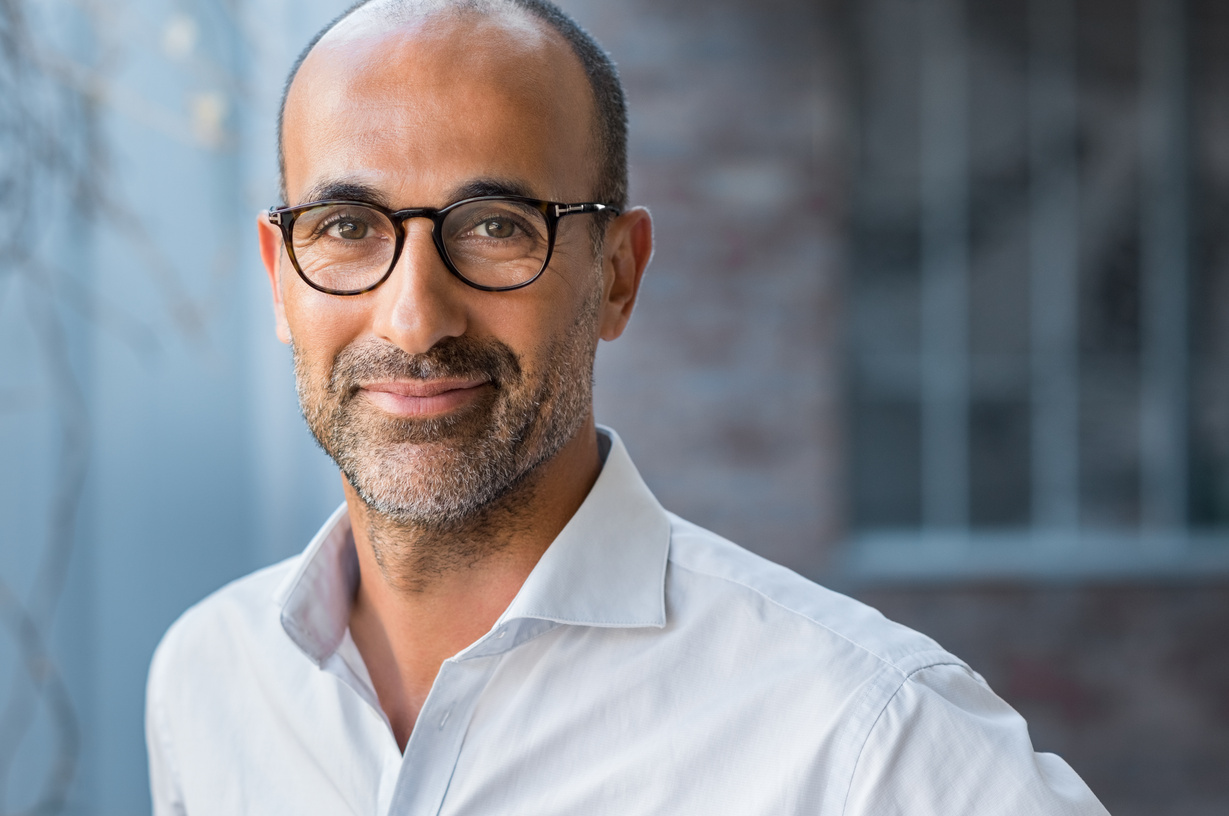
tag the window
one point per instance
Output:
(1039, 289)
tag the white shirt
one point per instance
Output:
(646, 666)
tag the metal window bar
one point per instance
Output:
(1053, 270)
(944, 180)
(1164, 261)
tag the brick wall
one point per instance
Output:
(725, 386)
(729, 390)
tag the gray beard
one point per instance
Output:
(444, 474)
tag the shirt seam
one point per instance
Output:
(519, 643)
(597, 624)
(894, 664)
(905, 677)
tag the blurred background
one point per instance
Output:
(939, 317)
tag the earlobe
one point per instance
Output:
(628, 248)
(271, 254)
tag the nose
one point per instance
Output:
(421, 303)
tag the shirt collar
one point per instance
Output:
(315, 598)
(607, 567)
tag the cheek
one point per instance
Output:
(321, 325)
(566, 335)
(536, 325)
(566, 293)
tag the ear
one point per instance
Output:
(271, 253)
(626, 253)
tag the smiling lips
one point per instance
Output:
(419, 398)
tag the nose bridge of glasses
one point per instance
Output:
(434, 217)
(404, 219)
(400, 217)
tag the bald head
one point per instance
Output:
(525, 26)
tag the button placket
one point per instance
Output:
(431, 753)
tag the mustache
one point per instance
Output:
(460, 357)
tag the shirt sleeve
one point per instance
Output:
(163, 776)
(946, 745)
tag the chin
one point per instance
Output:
(434, 483)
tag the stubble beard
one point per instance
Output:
(452, 474)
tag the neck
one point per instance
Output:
(426, 593)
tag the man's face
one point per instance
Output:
(433, 397)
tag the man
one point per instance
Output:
(501, 619)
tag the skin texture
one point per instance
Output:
(420, 369)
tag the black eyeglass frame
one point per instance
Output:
(552, 211)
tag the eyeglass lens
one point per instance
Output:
(349, 247)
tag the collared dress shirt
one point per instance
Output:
(647, 666)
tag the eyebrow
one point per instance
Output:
(342, 190)
(349, 190)
(491, 187)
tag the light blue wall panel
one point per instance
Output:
(200, 469)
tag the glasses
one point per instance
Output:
(493, 243)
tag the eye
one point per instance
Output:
(501, 228)
(347, 229)
(487, 226)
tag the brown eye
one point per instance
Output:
(350, 230)
(494, 228)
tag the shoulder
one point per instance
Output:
(919, 731)
(228, 622)
(705, 565)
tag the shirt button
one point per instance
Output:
(502, 632)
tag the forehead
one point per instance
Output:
(417, 107)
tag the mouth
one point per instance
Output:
(424, 398)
